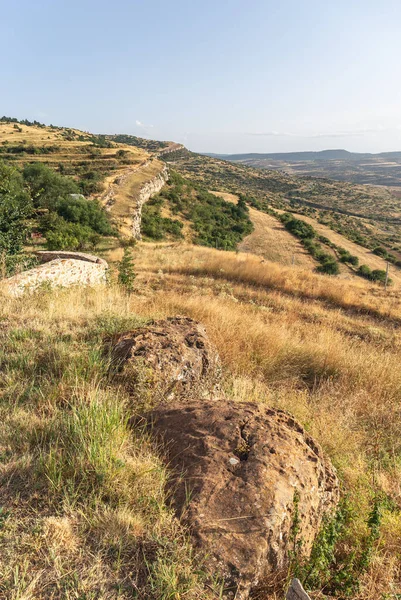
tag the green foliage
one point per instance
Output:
(47, 187)
(307, 234)
(15, 209)
(378, 275)
(70, 222)
(331, 568)
(347, 257)
(86, 212)
(328, 265)
(365, 271)
(11, 264)
(155, 226)
(126, 271)
(380, 251)
(91, 182)
(216, 223)
(297, 227)
(62, 235)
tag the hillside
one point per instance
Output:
(368, 216)
(232, 294)
(375, 169)
(84, 504)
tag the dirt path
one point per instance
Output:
(124, 190)
(271, 240)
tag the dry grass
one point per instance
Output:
(271, 240)
(366, 257)
(83, 497)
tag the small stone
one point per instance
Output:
(296, 591)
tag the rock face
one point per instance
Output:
(45, 256)
(147, 190)
(241, 474)
(62, 272)
(173, 357)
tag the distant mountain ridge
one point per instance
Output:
(335, 154)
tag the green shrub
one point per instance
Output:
(46, 187)
(297, 227)
(70, 236)
(378, 275)
(85, 212)
(126, 271)
(215, 222)
(365, 271)
(333, 568)
(380, 251)
(15, 208)
(328, 265)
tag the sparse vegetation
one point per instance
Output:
(214, 222)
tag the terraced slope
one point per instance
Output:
(69, 150)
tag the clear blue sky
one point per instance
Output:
(222, 75)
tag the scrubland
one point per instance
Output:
(84, 512)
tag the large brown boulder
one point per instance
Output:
(241, 474)
(167, 359)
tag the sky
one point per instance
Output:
(220, 76)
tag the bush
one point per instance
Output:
(155, 226)
(297, 227)
(329, 265)
(365, 271)
(380, 251)
(46, 187)
(216, 223)
(85, 212)
(378, 275)
(70, 236)
(126, 272)
(347, 257)
(15, 208)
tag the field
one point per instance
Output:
(84, 512)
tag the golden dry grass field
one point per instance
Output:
(270, 239)
(84, 512)
(65, 150)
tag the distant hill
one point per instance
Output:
(337, 154)
(373, 169)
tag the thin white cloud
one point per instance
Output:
(140, 124)
(335, 134)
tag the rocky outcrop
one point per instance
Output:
(172, 147)
(45, 256)
(170, 358)
(62, 272)
(242, 473)
(148, 189)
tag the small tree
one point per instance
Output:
(126, 272)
